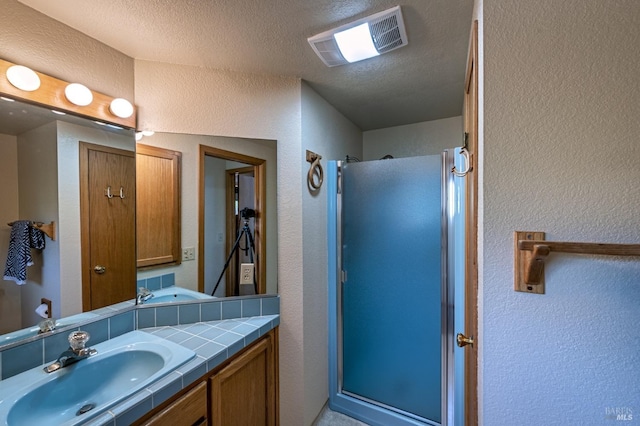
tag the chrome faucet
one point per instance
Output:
(143, 295)
(75, 353)
(47, 325)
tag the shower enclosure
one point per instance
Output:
(391, 290)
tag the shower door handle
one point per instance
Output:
(463, 340)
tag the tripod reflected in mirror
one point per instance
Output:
(247, 270)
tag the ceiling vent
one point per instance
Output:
(381, 33)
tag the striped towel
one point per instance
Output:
(24, 237)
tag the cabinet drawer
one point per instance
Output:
(188, 410)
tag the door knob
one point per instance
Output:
(98, 269)
(463, 340)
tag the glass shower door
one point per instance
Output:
(392, 261)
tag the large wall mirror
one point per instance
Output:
(41, 155)
(41, 163)
(226, 183)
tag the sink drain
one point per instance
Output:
(85, 408)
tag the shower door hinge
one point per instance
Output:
(343, 277)
(339, 185)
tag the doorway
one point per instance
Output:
(240, 194)
(215, 242)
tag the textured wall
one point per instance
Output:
(38, 200)
(29, 38)
(426, 138)
(326, 132)
(561, 155)
(194, 100)
(10, 314)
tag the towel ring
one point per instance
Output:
(315, 167)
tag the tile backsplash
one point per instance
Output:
(125, 317)
(158, 282)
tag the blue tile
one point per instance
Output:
(250, 307)
(179, 337)
(258, 322)
(276, 321)
(197, 328)
(193, 343)
(228, 338)
(154, 283)
(146, 317)
(193, 372)
(21, 358)
(270, 305)
(98, 332)
(189, 314)
(166, 315)
(217, 360)
(244, 329)
(251, 337)
(132, 409)
(235, 348)
(104, 419)
(168, 280)
(165, 388)
(227, 325)
(210, 349)
(165, 332)
(266, 328)
(121, 324)
(210, 311)
(140, 283)
(54, 345)
(212, 333)
(231, 309)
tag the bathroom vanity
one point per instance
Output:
(243, 390)
(229, 373)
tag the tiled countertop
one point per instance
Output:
(212, 341)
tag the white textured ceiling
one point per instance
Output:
(420, 82)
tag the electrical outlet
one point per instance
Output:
(246, 273)
(188, 253)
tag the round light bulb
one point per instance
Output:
(78, 94)
(121, 108)
(23, 78)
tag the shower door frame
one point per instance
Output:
(379, 413)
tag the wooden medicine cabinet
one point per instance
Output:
(157, 206)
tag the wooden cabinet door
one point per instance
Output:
(244, 392)
(188, 410)
(158, 206)
(107, 204)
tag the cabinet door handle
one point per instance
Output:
(99, 269)
(202, 420)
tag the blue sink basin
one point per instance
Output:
(79, 392)
(176, 294)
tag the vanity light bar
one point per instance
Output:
(21, 83)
